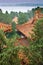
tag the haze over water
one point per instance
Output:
(15, 8)
(19, 5)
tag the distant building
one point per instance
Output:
(15, 19)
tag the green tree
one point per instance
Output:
(22, 18)
(3, 40)
(7, 17)
(13, 14)
(36, 45)
(8, 53)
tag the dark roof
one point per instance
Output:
(22, 42)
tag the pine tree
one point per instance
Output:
(36, 44)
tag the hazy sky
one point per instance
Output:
(13, 2)
(22, 3)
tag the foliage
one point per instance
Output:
(9, 53)
(36, 45)
(22, 18)
(3, 40)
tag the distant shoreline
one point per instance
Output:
(21, 4)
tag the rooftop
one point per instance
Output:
(27, 28)
(5, 27)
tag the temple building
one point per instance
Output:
(25, 30)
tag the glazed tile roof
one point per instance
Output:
(27, 28)
(5, 27)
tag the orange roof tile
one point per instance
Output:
(27, 28)
(5, 27)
